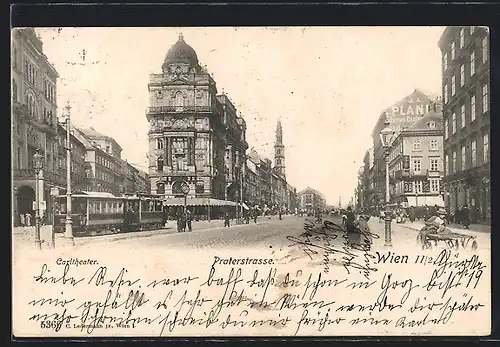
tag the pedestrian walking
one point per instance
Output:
(279, 213)
(255, 215)
(27, 219)
(21, 219)
(226, 220)
(189, 219)
(247, 217)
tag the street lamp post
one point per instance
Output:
(38, 165)
(69, 222)
(386, 135)
(185, 190)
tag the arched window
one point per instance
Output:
(159, 164)
(160, 188)
(179, 99)
(159, 143)
(14, 90)
(30, 102)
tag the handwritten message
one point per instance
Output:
(385, 293)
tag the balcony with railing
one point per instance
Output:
(168, 109)
(29, 174)
(435, 173)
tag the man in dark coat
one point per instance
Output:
(189, 219)
(226, 220)
(465, 216)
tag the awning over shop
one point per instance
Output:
(425, 200)
(199, 202)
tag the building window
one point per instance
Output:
(445, 93)
(417, 165)
(159, 143)
(417, 145)
(453, 51)
(433, 145)
(434, 183)
(159, 164)
(473, 153)
(462, 38)
(200, 187)
(485, 98)
(471, 28)
(418, 187)
(454, 123)
(30, 101)
(486, 148)
(473, 108)
(453, 81)
(179, 99)
(462, 115)
(180, 164)
(484, 45)
(446, 164)
(434, 164)
(446, 129)
(454, 162)
(472, 63)
(464, 158)
(462, 75)
(445, 61)
(160, 188)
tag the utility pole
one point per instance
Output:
(69, 223)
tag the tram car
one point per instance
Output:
(94, 213)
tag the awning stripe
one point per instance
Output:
(198, 202)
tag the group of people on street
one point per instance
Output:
(184, 220)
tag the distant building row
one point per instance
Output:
(96, 159)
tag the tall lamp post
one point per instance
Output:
(38, 165)
(386, 135)
(69, 223)
(185, 191)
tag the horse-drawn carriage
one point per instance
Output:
(428, 236)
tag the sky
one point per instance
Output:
(327, 85)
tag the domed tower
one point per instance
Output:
(181, 58)
(279, 151)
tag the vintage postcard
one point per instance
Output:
(251, 181)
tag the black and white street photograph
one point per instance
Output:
(250, 181)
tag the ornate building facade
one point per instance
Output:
(34, 123)
(195, 135)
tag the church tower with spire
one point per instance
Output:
(279, 151)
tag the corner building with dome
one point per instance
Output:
(195, 134)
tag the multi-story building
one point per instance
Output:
(142, 183)
(79, 166)
(34, 122)
(466, 116)
(104, 157)
(311, 200)
(252, 186)
(400, 116)
(416, 163)
(135, 181)
(191, 130)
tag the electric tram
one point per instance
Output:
(95, 212)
